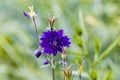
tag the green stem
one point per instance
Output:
(53, 73)
(64, 65)
(79, 77)
(34, 22)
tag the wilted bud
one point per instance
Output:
(63, 55)
(51, 21)
(37, 53)
(32, 13)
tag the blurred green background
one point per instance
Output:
(92, 25)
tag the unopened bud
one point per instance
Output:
(63, 55)
(37, 53)
(45, 62)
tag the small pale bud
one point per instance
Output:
(45, 62)
(63, 55)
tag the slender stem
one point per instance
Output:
(34, 22)
(79, 77)
(53, 73)
(64, 66)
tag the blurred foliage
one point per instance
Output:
(93, 26)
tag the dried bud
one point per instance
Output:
(51, 21)
(32, 13)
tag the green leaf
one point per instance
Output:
(107, 51)
(96, 44)
(78, 40)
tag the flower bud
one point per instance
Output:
(45, 62)
(32, 13)
(37, 53)
(26, 15)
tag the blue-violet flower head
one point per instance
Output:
(53, 41)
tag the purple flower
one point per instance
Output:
(53, 41)
(37, 53)
(45, 62)
(26, 15)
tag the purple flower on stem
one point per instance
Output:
(45, 62)
(37, 53)
(53, 41)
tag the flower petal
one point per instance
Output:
(26, 15)
(60, 32)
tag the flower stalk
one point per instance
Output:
(53, 73)
(36, 31)
(50, 43)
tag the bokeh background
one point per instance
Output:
(92, 25)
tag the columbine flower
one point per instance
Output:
(37, 53)
(53, 41)
(30, 14)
